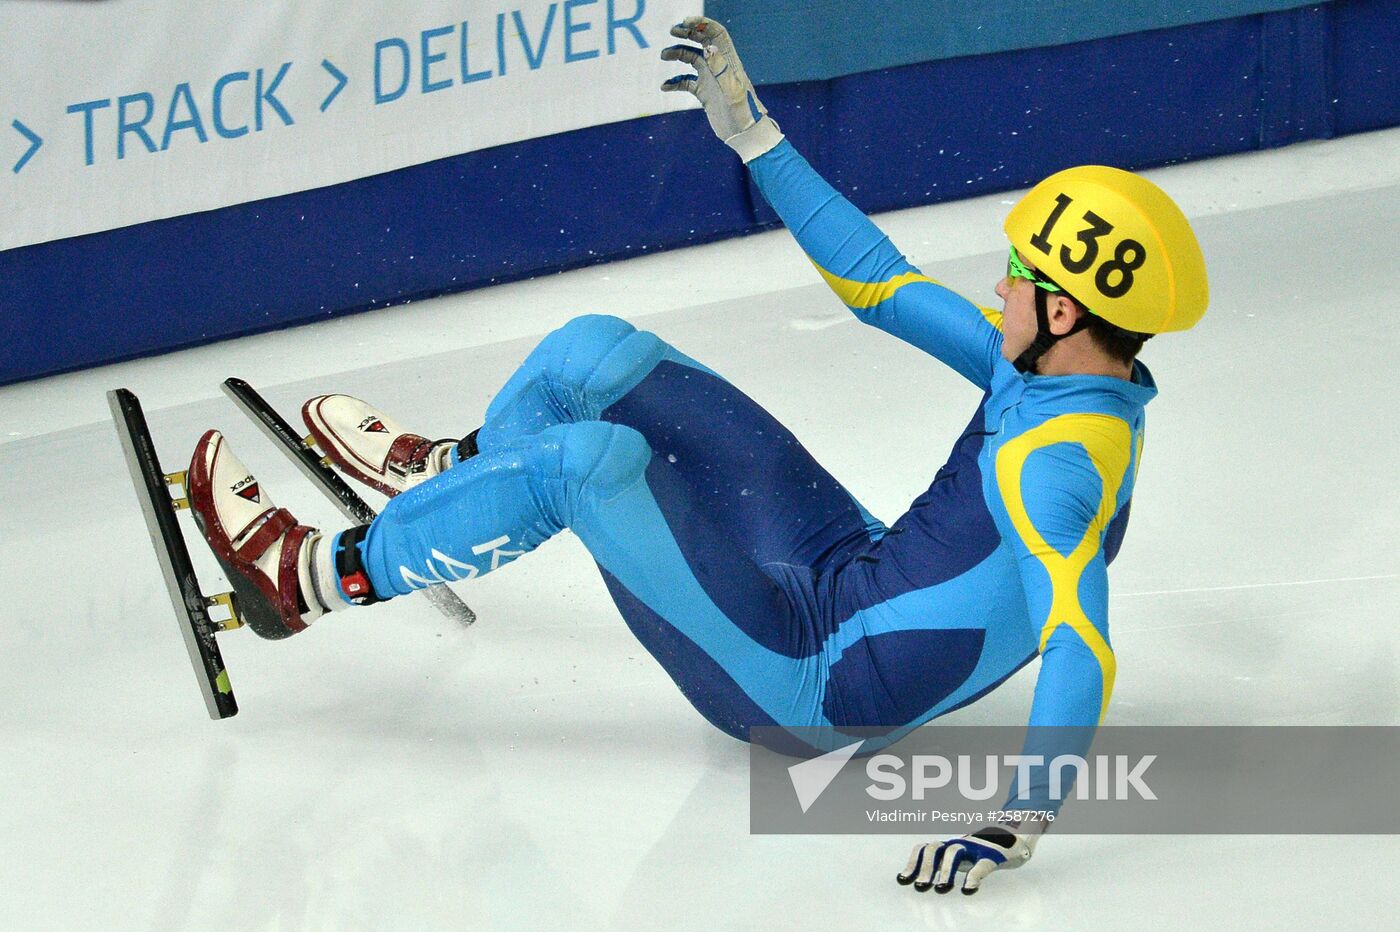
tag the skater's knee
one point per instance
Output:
(598, 358)
(586, 327)
(600, 458)
(577, 346)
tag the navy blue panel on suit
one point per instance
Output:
(816, 522)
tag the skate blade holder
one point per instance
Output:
(162, 495)
(231, 620)
(310, 443)
(177, 481)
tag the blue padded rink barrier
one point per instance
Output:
(390, 771)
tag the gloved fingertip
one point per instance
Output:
(686, 53)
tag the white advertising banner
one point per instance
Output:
(115, 112)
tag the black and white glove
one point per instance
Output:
(993, 847)
(726, 92)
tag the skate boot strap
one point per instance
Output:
(289, 575)
(272, 527)
(466, 447)
(408, 455)
(350, 567)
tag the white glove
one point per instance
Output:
(937, 864)
(724, 89)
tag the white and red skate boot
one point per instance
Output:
(368, 445)
(273, 563)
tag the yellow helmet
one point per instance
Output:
(1117, 242)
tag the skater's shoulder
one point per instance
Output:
(1091, 413)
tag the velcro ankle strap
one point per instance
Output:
(350, 567)
(266, 535)
(288, 579)
(408, 454)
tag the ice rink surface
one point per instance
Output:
(390, 771)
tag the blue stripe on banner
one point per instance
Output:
(914, 135)
(782, 42)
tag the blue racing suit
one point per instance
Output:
(765, 590)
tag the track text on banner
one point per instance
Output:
(328, 96)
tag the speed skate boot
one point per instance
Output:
(278, 568)
(371, 447)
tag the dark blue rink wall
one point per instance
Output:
(901, 136)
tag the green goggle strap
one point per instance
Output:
(1015, 268)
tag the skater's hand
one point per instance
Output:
(719, 81)
(993, 847)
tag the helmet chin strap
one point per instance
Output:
(1044, 339)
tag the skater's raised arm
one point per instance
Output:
(856, 259)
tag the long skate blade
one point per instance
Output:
(289, 442)
(447, 602)
(190, 605)
(325, 478)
